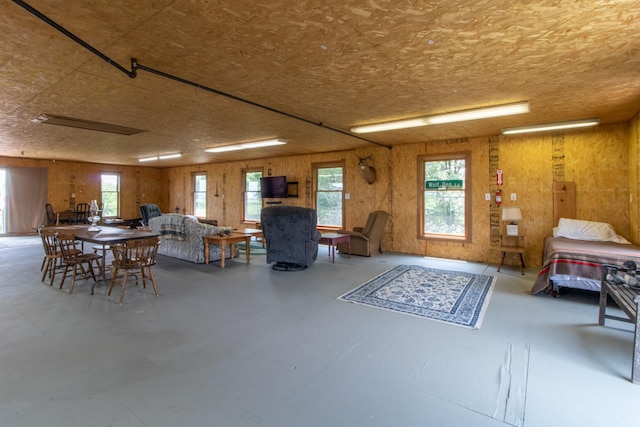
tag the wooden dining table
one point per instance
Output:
(105, 236)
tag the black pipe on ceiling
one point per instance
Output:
(136, 66)
(73, 37)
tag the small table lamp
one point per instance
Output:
(511, 214)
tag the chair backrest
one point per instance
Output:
(137, 253)
(370, 220)
(51, 215)
(375, 225)
(291, 234)
(82, 212)
(148, 211)
(289, 222)
(68, 246)
(49, 241)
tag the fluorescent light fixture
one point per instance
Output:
(224, 149)
(246, 145)
(163, 157)
(480, 113)
(400, 124)
(148, 159)
(552, 126)
(169, 156)
(455, 116)
(52, 119)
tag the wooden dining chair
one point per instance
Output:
(52, 256)
(82, 213)
(51, 214)
(132, 258)
(75, 260)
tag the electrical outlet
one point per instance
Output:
(487, 196)
(513, 197)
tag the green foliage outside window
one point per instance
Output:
(252, 196)
(329, 196)
(444, 207)
(110, 195)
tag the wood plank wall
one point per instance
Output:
(603, 162)
(138, 185)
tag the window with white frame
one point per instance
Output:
(200, 195)
(329, 186)
(110, 188)
(252, 206)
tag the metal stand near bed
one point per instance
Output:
(628, 299)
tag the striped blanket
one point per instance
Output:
(580, 258)
(173, 228)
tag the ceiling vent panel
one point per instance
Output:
(52, 119)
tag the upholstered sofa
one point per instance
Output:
(181, 237)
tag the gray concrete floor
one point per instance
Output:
(249, 346)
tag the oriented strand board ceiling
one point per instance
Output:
(338, 63)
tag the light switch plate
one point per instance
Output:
(487, 196)
(513, 197)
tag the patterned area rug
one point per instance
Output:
(256, 248)
(453, 297)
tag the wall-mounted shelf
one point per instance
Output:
(292, 188)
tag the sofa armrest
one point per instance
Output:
(355, 230)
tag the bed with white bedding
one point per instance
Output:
(573, 256)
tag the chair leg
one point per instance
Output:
(124, 286)
(73, 277)
(114, 276)
(50, 269)
(501, 261)
(93, 274)
(144, 277)
(64, 276)
(45, 270)
(52, 273)
(153, 280)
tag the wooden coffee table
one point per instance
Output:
(222, 241)
(255, 232)
(332, 239)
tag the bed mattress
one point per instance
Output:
(578, 261)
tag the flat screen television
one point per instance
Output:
(273, 187)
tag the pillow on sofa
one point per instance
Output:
(587, 230)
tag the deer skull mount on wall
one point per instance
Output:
(368, 172)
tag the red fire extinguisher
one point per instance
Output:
(498, 197)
